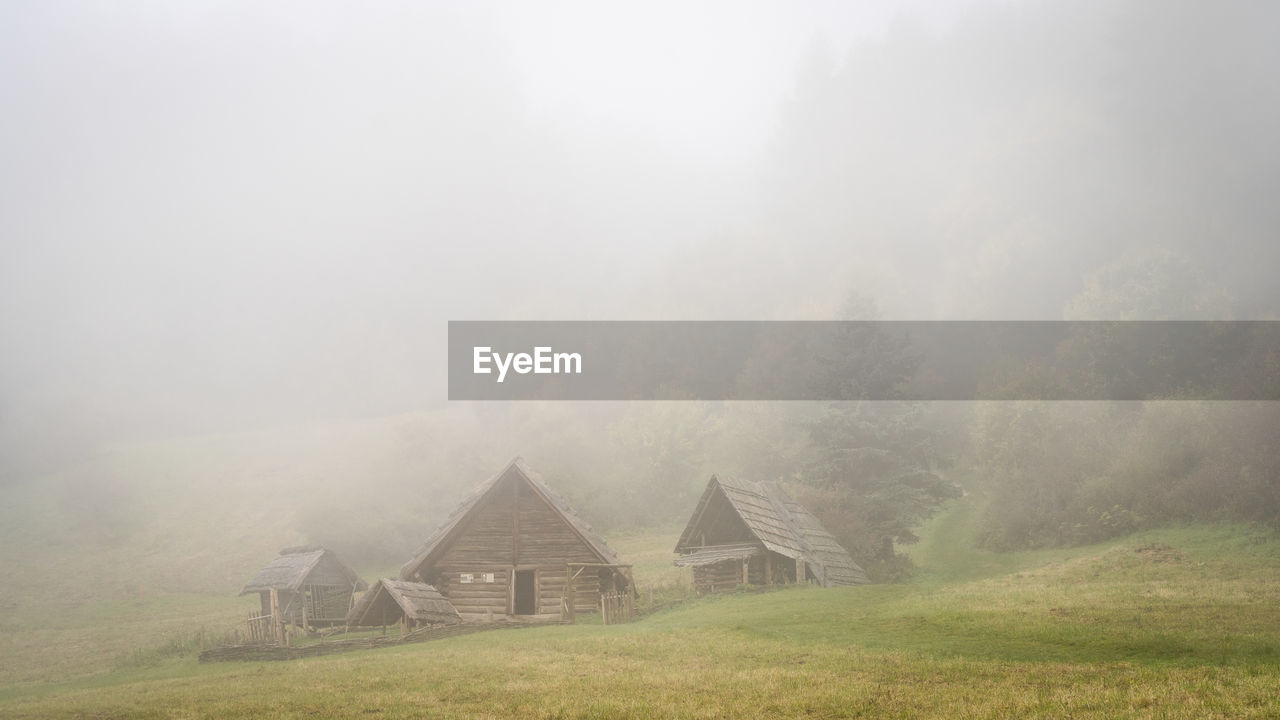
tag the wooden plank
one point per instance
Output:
(570, 595)
(515, 523)
(277, 622)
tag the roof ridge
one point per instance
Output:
(540, 486)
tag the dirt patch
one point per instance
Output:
(1157, 552)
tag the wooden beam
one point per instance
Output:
(515, 523)
(571, 595)
(277, 623)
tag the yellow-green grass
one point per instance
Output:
(650, 551)
(647, 672)
(1174, 623)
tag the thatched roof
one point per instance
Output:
(438, 540)
(390, 599)
(298, 566)
(777, 523)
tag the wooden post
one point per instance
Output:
(303, 597)
(768, 568)
(800, 571)
(277, 622)
(571, 595)
(515, 529)
(746, 575)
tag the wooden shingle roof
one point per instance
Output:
(401, 598)
(779, 524)
(438, 541)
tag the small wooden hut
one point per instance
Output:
(514, 548)
(313, 587)
(409, 604)
(745, 533)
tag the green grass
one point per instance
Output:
(1174, 623)
(100, 619)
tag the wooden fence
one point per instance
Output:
(261, 630)
(255, 653)
(616, 607)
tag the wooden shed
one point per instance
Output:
(514, 548)
(409, 604)
(313, 587)
(746, 533)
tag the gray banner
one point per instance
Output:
(589, 360)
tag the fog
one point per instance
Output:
(224, 216)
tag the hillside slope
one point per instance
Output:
(1175, 623)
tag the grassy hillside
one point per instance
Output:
(112, 556)
(1175, 623)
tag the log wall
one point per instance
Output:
(486, 538)
(476, 598)
(513, 528)
(545, 538)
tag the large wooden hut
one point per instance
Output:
(514, 548)
(746, 533)
(313, 587)
(412, 605)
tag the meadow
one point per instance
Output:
(1172, 623)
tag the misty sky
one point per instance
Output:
(223, 214)
(200, 198)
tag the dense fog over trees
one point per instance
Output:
(229, 218)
